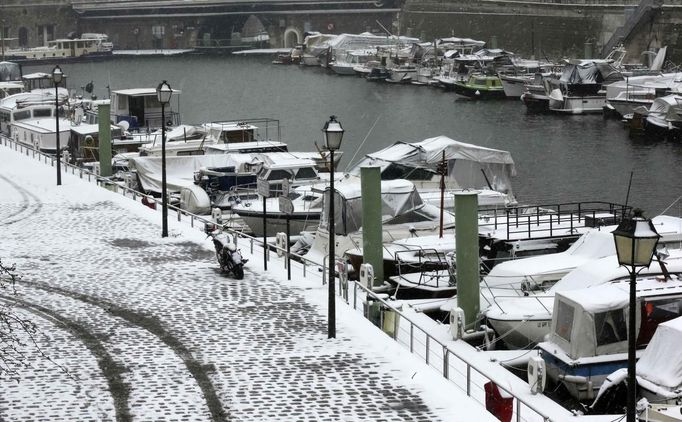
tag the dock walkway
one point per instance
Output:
(136, 327)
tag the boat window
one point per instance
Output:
(306, 173)
(654, 312)
(151, 101)
(278, 175)
(397, 171)
(610, 327)
(42, 112)
(564, 321)
(479, 81)
(22, 115)
(191, 152)
(408, 217)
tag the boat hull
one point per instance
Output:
(478, 93)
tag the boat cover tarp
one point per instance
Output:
(466, 162)
(179, 170)
(661, 362)
(583, 74)
(590, 246)
(397, 197)
(586, 304)
(10, 71)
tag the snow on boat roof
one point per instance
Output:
(44, 125)
(37, 75)
(230, 126)
(432, 148)
(87, 129)
(462, 41)
(141, 92)
(351, 188)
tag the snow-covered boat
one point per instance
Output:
(519, 294)
(588, 338)
(469, 166)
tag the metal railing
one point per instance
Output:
(406, 332)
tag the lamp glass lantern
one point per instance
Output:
(333, 134)
(164, 92)
(636, 241)
(57, 75)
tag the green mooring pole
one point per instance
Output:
(466, 246)
(372, 245)
(104, 139)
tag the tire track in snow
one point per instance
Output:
(154, 326)
(111, 370)
(25, 205)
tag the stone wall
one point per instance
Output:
(32, 24)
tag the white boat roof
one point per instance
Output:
(468, 42)
(141, 92)
(240, 146)
(87, 129)
(44, 125)
(350, 190)
(283, 160)
(37, 75)
(11, 84)
(431, 150)
(230, 126)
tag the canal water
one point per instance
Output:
(558, 158)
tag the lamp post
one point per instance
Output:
(57, 78)
(164, 93)
(333, 134)
(636, 240)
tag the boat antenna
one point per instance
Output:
(383, 27)
(487, 181)
(627, 196)
(363, 142)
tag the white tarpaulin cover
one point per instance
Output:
(467, 163)
(179, 170)
(397, 197)
(586, 303)
(661, 362)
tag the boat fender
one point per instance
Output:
(477, 93)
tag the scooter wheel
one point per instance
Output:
(239, 273)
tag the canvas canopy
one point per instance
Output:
(10, 71)
(397, 197)
(179, 169)
(660, 367)
(468, 165)
(591, 322)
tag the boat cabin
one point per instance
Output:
(588, 338)
(27, 105)
(39, 133)
(141, 108)
(84, 143)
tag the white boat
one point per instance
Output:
(36, 104)
(519, 294)
(579, 89)
(141, 109)
(487, 170)
(238, 136)
(346, 64)
(665, 113)
(404, 215)
(658, 375)
(640, 91)
(588, 338)
(89, 44)
(521, 72)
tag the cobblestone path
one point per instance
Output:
(147, 329)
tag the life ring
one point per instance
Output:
(330, 26)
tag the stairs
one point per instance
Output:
(645, 10)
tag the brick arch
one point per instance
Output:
(292, 36)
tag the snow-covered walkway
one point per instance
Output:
(145, 328)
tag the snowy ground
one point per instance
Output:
(147, 329)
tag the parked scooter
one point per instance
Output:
(229, 257)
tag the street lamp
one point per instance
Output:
(57, 78)
(164, 93)
(636, 240)
(333, 134)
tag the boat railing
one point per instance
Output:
(548, 221)
(497, 300)
(453, 366)
(428, 260)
